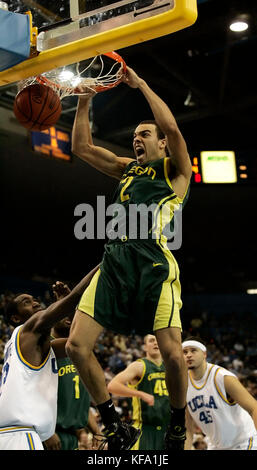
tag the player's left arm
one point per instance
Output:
(35, 336)
(42, 321)
(238, 393)
(58, 346)
(167, 123)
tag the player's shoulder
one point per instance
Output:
(124, 164)
(140, 366)
(139, 362)
(11, 340)
(220, 371)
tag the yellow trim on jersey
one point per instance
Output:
(142, 376)
(166, 173)
(192, 382)
(164, 217)
(156, 215)
(24, 360)
(155, 363)
(168, 181)
(220, 393)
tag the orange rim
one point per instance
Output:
(112, 55)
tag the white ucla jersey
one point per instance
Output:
(28, 394)
(224, 423)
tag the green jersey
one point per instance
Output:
(146, 193)
(137, 288)
(152, 382)
(73, 398)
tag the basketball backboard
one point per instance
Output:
(74, 30)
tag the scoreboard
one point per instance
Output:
(220, 167)
(53, 143)
(209, 166)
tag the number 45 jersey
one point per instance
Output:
(223, 421)
(152, 382)
(28, 394)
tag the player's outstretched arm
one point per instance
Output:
(167, 123)
(239, 394)
(82, 144)
(132, 374)
(42, 321)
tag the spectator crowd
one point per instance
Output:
(231, 341)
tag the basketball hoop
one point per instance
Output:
(102, 73)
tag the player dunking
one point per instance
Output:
(137, 286)
(144, 381)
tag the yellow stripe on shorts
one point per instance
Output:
(250, 444)
(87, 301)
(137, 419)
(168, 309)
(30, 441)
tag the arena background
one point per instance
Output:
(206, 76)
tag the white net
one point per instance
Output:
(96, 75)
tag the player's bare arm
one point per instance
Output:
(167, 123)
(239, 394)
(131, 375)
(190, 429)
(82, 144)
(92, 423)
(35, 333)
(92, 426)
(53, 443)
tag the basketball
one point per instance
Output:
(37, 107)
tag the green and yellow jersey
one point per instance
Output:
(72, 405)
(152, 382)
(137, 288)
(152, 420)
(148, 185)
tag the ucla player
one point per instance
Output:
(73, 402)
(137, 287)
(218, 403)
(28, 390)
(144, 381)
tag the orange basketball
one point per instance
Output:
(37, 107)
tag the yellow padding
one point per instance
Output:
(182, 16)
